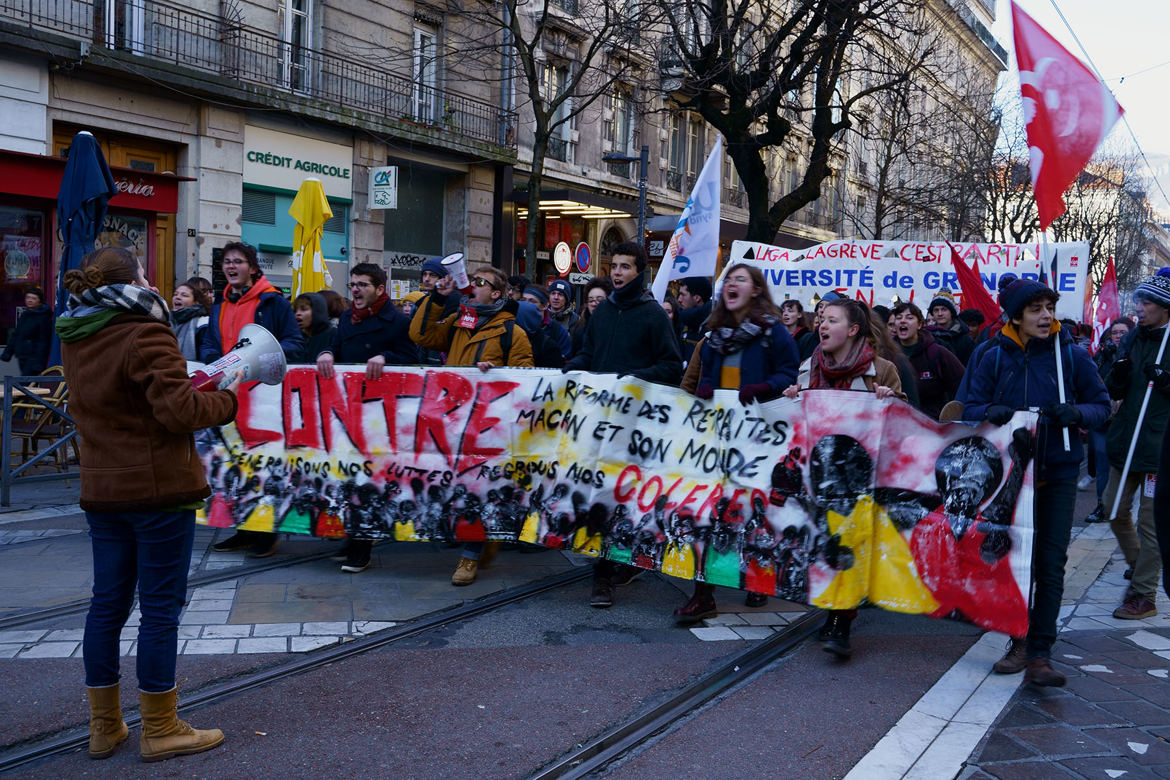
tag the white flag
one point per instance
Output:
(694, 247)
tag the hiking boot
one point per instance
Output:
(602, 595)
(358, 559)
(624, 574)
(828, 627)
(265, 546)
(700, 607)
(1098, 515)
(164, 735)
(1041, 673)
(1135, 607)
(241, 540)
(106, 727)
(1014, 660)
(755, 599)
(465, 572)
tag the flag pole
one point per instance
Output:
(1059, 358)
(1137, 428)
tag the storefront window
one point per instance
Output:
(23, 252)
(130, 232)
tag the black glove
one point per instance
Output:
(1121, 371)
(1063, 415)
(1158, 375)
(1024, 443)
(998, 414)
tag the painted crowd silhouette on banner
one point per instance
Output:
(837, 499)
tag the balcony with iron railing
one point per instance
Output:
(216, 53)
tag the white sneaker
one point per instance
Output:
(1086, 482)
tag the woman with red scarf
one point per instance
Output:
(846, 359)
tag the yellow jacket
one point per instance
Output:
(465, 347)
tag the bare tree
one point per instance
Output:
(761, 74)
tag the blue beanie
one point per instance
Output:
(831, 295)
(1156, 289)
(435, 266)
(561, 286)
(537, 292)
(1017, 295)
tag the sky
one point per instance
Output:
(1122, 38)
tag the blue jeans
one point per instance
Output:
(150, 551)
(1052, 525)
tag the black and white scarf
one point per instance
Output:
(726, 341)
(125, 297)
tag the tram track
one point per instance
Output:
(624, 738)
(76, 738)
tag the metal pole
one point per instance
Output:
(1050, 268)
(1137, 428)
(642, 173)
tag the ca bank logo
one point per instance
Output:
(384, 178)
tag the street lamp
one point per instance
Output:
(644, 164)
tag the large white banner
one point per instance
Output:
(879, 271)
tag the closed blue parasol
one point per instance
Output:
(86, 188)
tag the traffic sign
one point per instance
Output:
(562, 258)
(583, 257)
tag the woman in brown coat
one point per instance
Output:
(140, 482)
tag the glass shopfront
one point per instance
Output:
(23, 252)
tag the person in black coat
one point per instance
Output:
(628, 333)
(312, 313)
(32, 336)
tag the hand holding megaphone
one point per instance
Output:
(256, 357)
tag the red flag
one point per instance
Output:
(975, 295)
(1108, 303)
(1067, 109)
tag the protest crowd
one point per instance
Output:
(948, 363)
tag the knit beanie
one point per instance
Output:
(435, 266)
(945, 298)
(561, 286)
(537, 292)
(1017, 295)
(1156, 289)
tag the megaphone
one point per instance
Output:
(256, 357)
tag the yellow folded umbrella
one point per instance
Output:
(310, 208)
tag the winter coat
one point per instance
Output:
(387, 333)
(806, 342)
(273, 313)
(566, 318)
(880, 372)
(31, 339)
(1010, 374)
(321, 331)
(956, 338)
(546, 353)
(450, 305)
(136, 409)
(1141, 346)
(937, 373)
(630, 334)
(466, 347)
(694, 325)
(188, 325)
(771, 359)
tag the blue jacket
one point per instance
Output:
(1022, 378)
(273, 312)
(387, 333)
(777, 365)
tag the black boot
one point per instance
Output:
(828, 627)
(1098, 515)
(837, 641)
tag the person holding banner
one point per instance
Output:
(747, 348)
(845, 359)
(1140, 379)
(628, 333)
(136, 411)
(937, 372)
(482, 333)
(1018, 371)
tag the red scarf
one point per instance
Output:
(825, 374)
(357, 315)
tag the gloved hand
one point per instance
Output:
(1024, 443)
(998, 414)
(1063, 415)
(749, 393)
(1158, 375)
(705, 390)
(1121, 371)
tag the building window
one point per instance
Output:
(554, 83)
(125, 24)
(416, 226)
(297, 46)
(425, 74)
(618, 129)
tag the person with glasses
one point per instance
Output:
(482, 333)
(248, 297)
(375, 333)
(628, 333)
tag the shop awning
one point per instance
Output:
(39, 176)
(579, 203)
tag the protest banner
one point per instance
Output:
(836, 499)
(879, 271)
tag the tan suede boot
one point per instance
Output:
(106, 728)
(164, 735)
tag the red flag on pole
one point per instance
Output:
(1108, 303)
(1067, 110)
(975, 295)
